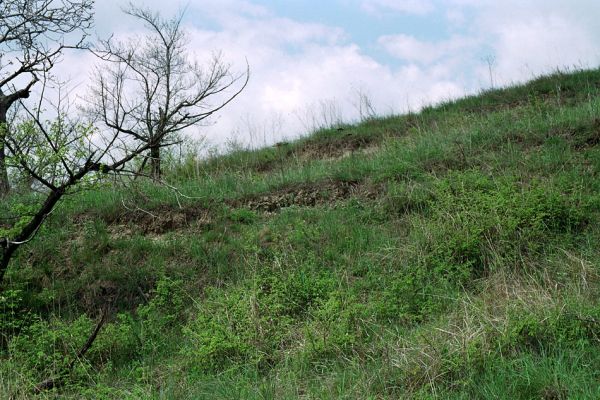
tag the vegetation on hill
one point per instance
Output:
(447, 254)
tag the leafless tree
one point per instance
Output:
(152, 91)
(61, 155)
(33, 36)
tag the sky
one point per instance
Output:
(312, 62)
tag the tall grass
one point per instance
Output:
(447, 254)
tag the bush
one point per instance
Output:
(45, 348)
(13, 316)
(477, 223)
(251, 325)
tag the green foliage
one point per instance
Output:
(249, 326)
(461, 263)
(20, 213)
(45, 348)
(337, 328)
(477, 222)
(242, 215)
(555, 374)
(540, 333)
(166, 307)
(118, 343)
(413, 295)
(13, 315)
(407, 198)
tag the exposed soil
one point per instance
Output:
(587, 135)
(310, 195)
(166, 218)
(336, 149)
(522, 139)
(162, 219)
(555, 393)
(339, 146)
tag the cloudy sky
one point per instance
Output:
(312, 58)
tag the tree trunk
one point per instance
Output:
(8, 248)
(155, 161)
(6, 254)
(4, 184)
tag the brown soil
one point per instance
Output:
(335, 149)
(310, 195)
(587, 135)
(163, 219)
(166, 219)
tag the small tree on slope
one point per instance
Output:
(33, 36)
(151, 91)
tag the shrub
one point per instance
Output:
(252, 325)
(13, 316)
(477, 222)
(45, 348)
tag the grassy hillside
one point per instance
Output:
(449, 254)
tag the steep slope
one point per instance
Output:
(447, 254)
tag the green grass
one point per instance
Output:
(446, 254)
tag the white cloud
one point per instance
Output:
(409, 48)
(521, 39)
(526, 48)
(296, 67)
(295, 64)
(418, 7)
(456, 17)
(530, 38)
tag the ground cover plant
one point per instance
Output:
(451, 253)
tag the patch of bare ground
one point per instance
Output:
(156, 222)
(309, 195)
(336, 149)
(159, 220)
(343, 144)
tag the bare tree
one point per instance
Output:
(61, 156)
(33, 35)
(152, 91)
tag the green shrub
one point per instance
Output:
(117, 343)
(242, 215)
(164, 313)
(13, 315)
(46, 348)
(477, 221)
(541, 332)
(251, 325)
(412, 295)
(404, 198)
(337, 327)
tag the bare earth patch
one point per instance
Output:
(163, 219)
(309, 195)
